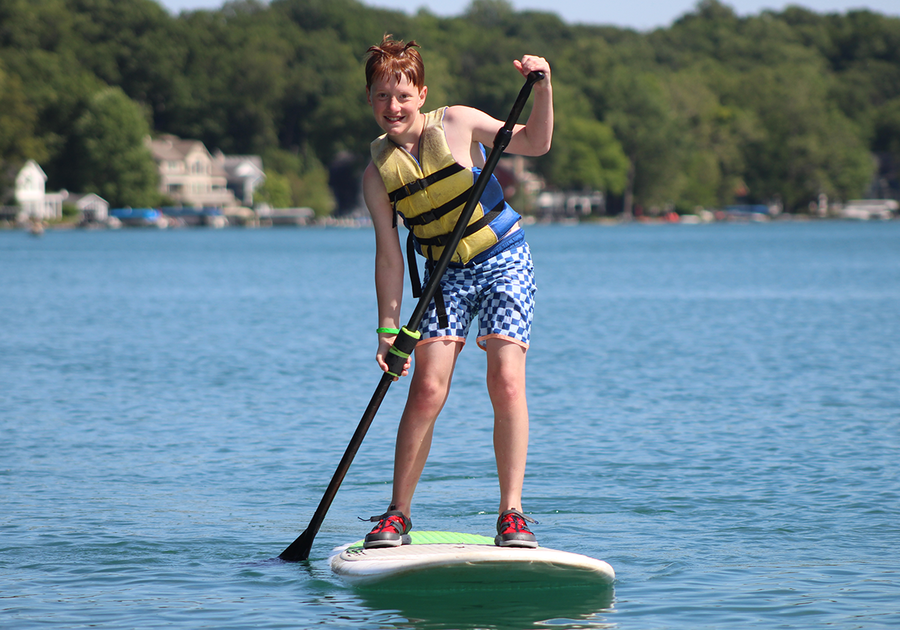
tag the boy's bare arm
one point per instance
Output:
(467, 125)
(389, 265)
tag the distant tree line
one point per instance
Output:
(780, 106)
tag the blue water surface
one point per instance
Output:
(714, 411)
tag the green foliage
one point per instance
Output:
(887, 128)
(275, 191)
(807, 146)
(642, 117)
(18, 139)
(587, 156)
(711, 136)
(108, 143)
(69, 211)
(781, 105)
(295, 180)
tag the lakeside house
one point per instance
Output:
(32, 201)
(191, 176)
(188, 175)
(243, 175)
(93, 207)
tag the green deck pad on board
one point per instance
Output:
(442, 538)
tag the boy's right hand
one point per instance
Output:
(385, 342)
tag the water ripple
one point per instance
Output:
(713, 411)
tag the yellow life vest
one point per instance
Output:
(430, 193)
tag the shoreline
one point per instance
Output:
(38, 228)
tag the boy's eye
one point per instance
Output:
(386, 96)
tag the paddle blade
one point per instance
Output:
(298, 550)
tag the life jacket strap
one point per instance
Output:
(415, 281)
(421, 184)
(442, 239)
(413, 266)
(446, 208)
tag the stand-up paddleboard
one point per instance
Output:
(449, 560)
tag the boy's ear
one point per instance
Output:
(422, 94)
(368, 95)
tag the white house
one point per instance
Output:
(32, 197)
(93, 208)
(244, 174)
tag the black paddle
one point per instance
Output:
(406, 340)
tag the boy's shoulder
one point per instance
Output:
(459, 120)
(465, 117)
(455, 112)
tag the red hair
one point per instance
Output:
(394, 60)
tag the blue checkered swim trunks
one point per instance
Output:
(499, 292)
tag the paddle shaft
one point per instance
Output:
(299, 549)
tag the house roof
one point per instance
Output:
(240, 166)
(169, 147)
(172, 148)
(74, 199)
(34, 166)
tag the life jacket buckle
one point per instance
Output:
(414, 186)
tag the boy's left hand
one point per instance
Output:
(532, 63)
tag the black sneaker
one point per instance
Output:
(391, 531)
(512, 530)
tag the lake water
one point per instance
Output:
(715, 412)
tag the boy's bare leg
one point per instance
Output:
(506, 387)
(428, 390)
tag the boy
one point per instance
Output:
(421, 170)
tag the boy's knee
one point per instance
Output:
(505, 385)
(428, 391)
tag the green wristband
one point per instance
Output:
(387, 331)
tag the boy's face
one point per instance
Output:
(396, 104)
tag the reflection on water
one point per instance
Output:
(495, 607)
